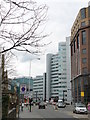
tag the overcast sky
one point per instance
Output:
(61, 15)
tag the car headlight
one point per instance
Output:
(77, 109)
(85, 109)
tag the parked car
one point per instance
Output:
(80, 108)
(41, 105)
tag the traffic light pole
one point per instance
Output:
(30, 103)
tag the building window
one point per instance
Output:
(84, 60)
(83, 37)
(83, 24)
(74, 46)
(83, 13)
(84, 70)
(71, 50)
(77, 41)
(84, 51)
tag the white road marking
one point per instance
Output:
(75, 117)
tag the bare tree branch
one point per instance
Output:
(9, 63)
(21, 25)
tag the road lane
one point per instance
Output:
(50, 112)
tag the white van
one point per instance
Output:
(61, 104)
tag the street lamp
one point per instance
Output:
(30, 70)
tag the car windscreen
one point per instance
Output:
(80, 105)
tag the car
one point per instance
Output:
(61, 104)
(41, 105)
(80, 108)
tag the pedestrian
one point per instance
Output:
(22, 105)
(71, 103)
(30, 100)
(56, 108)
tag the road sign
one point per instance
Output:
(22, 89)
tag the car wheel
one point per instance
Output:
(76, 112)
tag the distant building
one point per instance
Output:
(25, 80)
(80, 56)
(39, 87)
(26, 87)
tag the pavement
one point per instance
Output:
(27, 114)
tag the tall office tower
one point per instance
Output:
(62, 71)
(58, 77)
(80, 56)
(52, 76)
(68, 69)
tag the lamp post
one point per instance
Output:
(30, 71)
(36, 96)
(29, 82)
